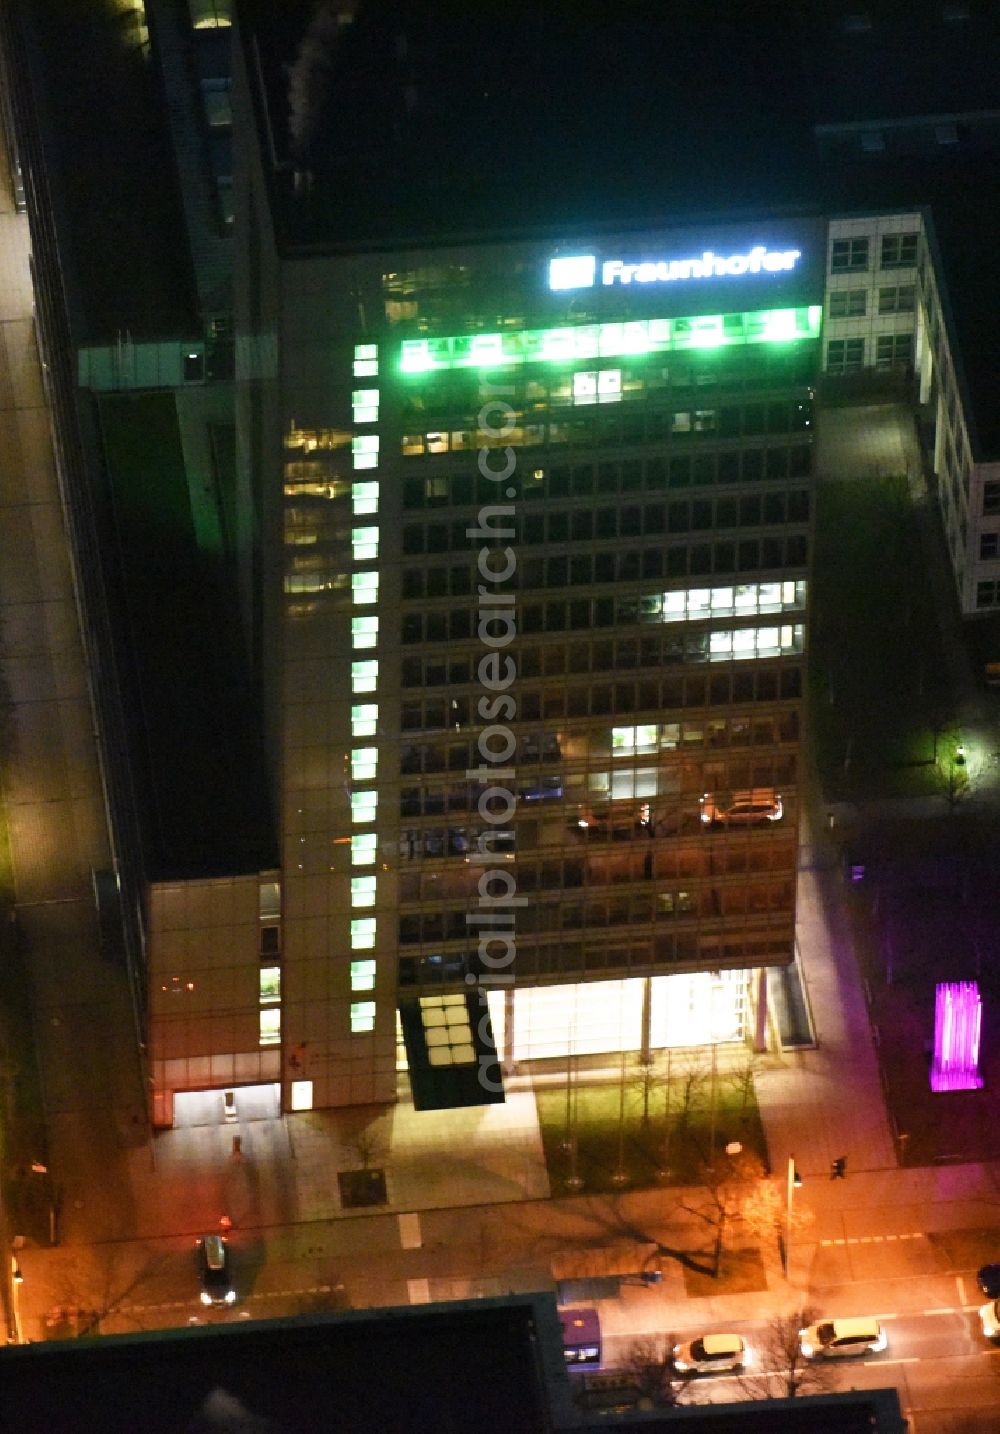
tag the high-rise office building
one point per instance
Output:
(536, 670)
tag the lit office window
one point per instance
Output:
(364, 719)
(210, 14)
(363, 933)
(364, 761)
(364, 848)
(694, 604)
(364, 403)
(364, 675)
(270, 1025)
(366, 360)
(270, 985)
(626, 741)
(364, 589)
(302, 1095)
(363, 806)
(362, 975)
(362, 1016)
(364, 499)
(364, 544)
(362, 891)
(364, 631)
(364, 450)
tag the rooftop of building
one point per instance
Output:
(446, 122)
(111, 171)
(494, 1365)
(199, 766)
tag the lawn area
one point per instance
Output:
(637, 1144)
(879, 687)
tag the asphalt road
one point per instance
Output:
(947, 1374)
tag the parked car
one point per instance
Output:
(837, 1338)
(988, 1280)
(215, 1267)
(989, 1317)
(711, 1354)
(743, 809)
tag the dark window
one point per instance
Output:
(845, 355)
(893, 350)
(988, 545)
(849, 304)
(899, 251)
(437, 582)
(991, 497)
(849, 256)
(900, 299)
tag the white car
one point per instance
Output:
(711, 1354)
(989, 1316)
(837, 1338)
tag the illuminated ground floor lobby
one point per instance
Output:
(588, 1020)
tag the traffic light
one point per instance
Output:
(838, 1168)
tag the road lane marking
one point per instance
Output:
(946, 1309)
(888, 1316)
(911, 1359)
(871, 1239)
(961, 1290)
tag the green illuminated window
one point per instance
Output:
(364, 675)
(363, 806)
(364, 589)
(362, 891)
(364, 499)
(364, 719)
(362, 975)
(364, 544)
(364, 631)
(362, 933)
(366, 360)
(364, 402)
(364, 450)
(364, 847)
(362, 1016)
(270, 985)
(364, 760)
(611, 340)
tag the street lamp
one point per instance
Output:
(794, 1183)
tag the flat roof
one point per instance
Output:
(198, 746)
(443, 1368)
(418, 131)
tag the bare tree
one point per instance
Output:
(725, 1186)
(780, 1370)
(764, 1212)
(743, 1077)
(102, 1289)
(650, 1362)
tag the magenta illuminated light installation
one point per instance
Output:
(958, 1017)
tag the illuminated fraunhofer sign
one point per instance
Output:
(579, 271)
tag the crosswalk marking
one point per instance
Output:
(871, 1239)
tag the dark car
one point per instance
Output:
(216, 1271)
(988, 1280)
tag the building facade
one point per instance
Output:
(545, 526)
